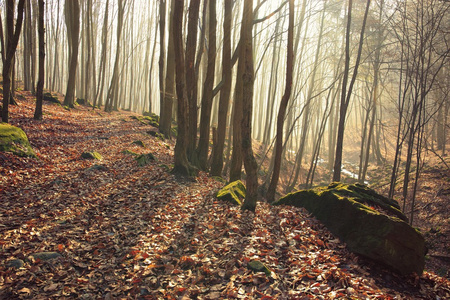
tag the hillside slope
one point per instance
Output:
(120, 230)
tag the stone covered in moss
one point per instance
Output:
(91, 155)
(139, 143)
(145, 159)
(13, 139)
(370, 224)
(234, 192)
(257, 266)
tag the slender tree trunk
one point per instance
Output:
(283, 105)
(181, 163)
(72, 15)
(346, 94)
(165, 123)
(11, 46)
(191, 76)
(102, 72)
(162, 29)
(217, 160)
(40, 83)
(205, 118)
(246, 75)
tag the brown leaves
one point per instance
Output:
(138, 232)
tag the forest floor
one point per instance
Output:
(124, 231)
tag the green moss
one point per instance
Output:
(346, 211)
(129, 152)
(257, 266)
(234, 192)
(139, 143)
(91, 155)
(145, 159)
(14, 139)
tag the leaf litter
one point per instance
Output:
(130, 232)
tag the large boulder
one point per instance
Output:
(13, 139)
(370, 224)
(233, 192)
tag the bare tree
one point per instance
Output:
(72, 16)
(40, 83)
(283, 106)
(346, 93)
(12, 39)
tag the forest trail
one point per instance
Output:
(124, 231)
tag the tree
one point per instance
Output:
(245, 95)
(165, 123)
(217, 154)
(346, 94)
(207, 97)
(112, 96)
(191, 76)
(181, 163)
(283, 106)
(72, 16)
(40, 83)
(12, 39)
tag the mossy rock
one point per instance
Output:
(91, 155)
(257, 266)
(129, 152)
(370, 224)
(145, 159)
(14, 140)
(14, 263)
(44, 256)
(50, 98)
(97, 168)
(233, 192)
(139, 143)
(151, 121)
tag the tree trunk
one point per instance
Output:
(191, 75)
(72, 16)
(346, 94)
(181, 163)
(169, 91)
(217, 160)
(246, 76)
(205, 117)
(40, 84)
(11, 46)
(283, 106)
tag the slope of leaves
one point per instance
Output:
(131, 232)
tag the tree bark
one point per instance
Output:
(217, 160)
(346, 94)
(72, 15)
(205, 117)
(283, 106)
(246, 72)
(11, 46)
(181, 163)
(40, 83)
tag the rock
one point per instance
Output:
(44, 256)
(139, 143)
(15, 263)
(257, 266)
(50, 98)
(129, 152)
(97, 168)
(234, 192)
(145, 159)
(91, 155)
(370, 224)
(13, 139)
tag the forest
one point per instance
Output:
(126, 123)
